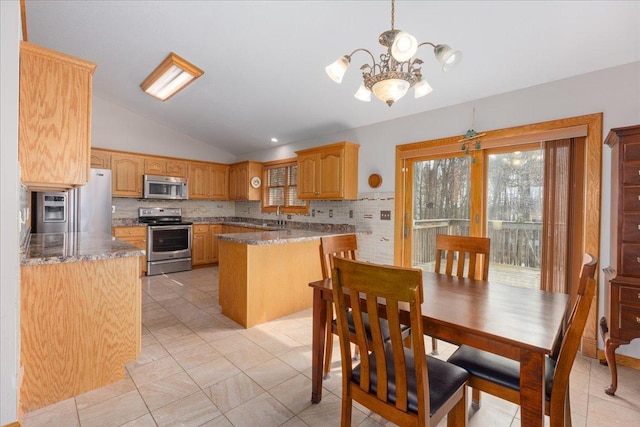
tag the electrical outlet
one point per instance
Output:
(385, 215)
(289, 217)
(330, 213)
(350, 213)
(313, 212)
(113, 208)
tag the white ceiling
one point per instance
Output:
(264, 60)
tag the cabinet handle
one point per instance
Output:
(638, 295)
(638, 260)
(637, 319)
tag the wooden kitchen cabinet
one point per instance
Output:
(165, 167)
(208, 181)
(127, 171)
(136, 236)
(240, 175)
(329, 172)
(55, 119)
(80, 324)
(100, 159)
(213, 241)
(200, 245)
(622, 299)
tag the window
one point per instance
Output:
(281, 188)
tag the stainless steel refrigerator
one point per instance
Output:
(86, 208)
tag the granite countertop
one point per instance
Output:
(274, 237)
(54, 248)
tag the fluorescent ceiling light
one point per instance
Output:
(171, 76)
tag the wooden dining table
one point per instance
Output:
(519, 323)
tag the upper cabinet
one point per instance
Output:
(329, 172)
(127, 171)
(242, 182)
(100, 159)
(55, 118)
(209, 181)
(165, 167)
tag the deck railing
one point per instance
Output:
(512, 243)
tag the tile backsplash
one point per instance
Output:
(375, 236)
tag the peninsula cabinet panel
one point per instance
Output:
(54, 119)
(329, 172)
(127, 171)
(80, 324)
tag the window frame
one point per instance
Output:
(266, 166)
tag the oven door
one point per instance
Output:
(166, 242)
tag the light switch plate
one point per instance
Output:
(385, 215)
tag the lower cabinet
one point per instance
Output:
(135, 236)
(200, 245)
(204, 243)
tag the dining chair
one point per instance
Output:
(345, 246)
(401, 384)
(458, 250)
(500, 376)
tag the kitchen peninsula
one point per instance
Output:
(265, 275)
(80, 314)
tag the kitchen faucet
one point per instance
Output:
(279, 222)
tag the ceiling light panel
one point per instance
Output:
(170, 77)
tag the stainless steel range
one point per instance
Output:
(168, 240)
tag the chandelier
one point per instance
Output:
(398, 70)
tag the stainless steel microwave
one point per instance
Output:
(165, 187)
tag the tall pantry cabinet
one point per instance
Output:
(55, 118)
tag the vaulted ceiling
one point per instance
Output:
(264, 60)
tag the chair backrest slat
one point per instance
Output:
(459, 248)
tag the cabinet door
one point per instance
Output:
(307, 171)
(127, 170)
(234, 185)
(154, 166)
(135, 236)
(331, 174)
(54, 118)
(100, 159)
(213, 240)
(199, 245)
(199, 175)
(219, 182)
(176, 168)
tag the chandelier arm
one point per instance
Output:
(373, 59)
(429, 43)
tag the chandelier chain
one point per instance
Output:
(393, 13)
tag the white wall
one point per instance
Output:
(117, 128)
(9, 226)
(614, 92)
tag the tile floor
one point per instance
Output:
(198, 368)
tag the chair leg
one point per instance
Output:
(457, 417)
(475, 398)
(328, 348)
(434, 346)
(346, 410)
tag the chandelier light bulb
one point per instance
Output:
(422, 88)
(336, 70)
(404, 47)
(363, 94)
(447, 56)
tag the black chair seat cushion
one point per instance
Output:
(444, 379)
(384, 326)
(497, 369)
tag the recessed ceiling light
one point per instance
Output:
(170, 77)
(274, 139)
